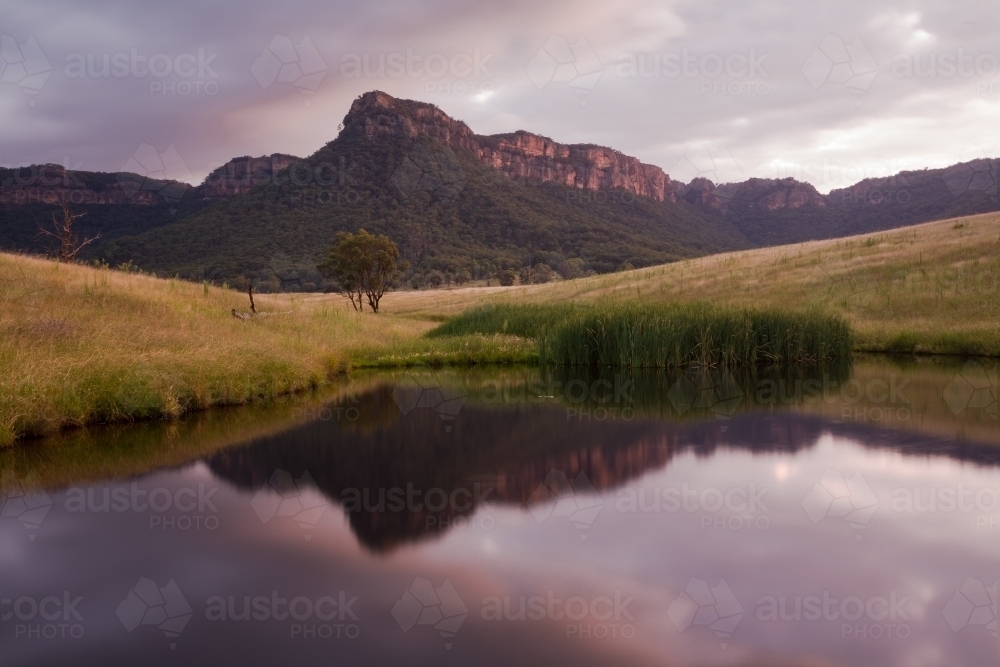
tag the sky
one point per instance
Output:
(825, 92)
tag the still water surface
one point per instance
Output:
(829, 517)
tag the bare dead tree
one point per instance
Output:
(62, 231)
(253, 308)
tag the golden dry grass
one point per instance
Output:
(81, 345)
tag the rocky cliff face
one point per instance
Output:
(771, 194)
(526, 156)
(704, 192)
(54, 184)
(521, 155)
(756, 193)
(243, 173)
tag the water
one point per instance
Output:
(836, 516)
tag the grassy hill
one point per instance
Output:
(933, 287)
(79, 344)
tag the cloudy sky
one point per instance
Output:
(827, 92)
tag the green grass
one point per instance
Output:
(927, 289)
(637, 335)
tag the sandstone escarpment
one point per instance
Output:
(756, 193)
(704, 192)
(243, 173)
(773, 194)
(519, 155)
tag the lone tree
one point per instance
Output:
(62, 231)
(364, 266)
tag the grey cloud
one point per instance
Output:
(810, 108)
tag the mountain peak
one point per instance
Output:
(519, 155)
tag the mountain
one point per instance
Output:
(456, 200)
(450, 198)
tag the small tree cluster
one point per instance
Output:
(506, 277)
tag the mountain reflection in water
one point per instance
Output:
(500, 442)
(706, 511)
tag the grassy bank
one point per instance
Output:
(654, 335)
(81, 345)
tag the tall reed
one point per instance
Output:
(638, 335)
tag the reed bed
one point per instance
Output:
(636, 335)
